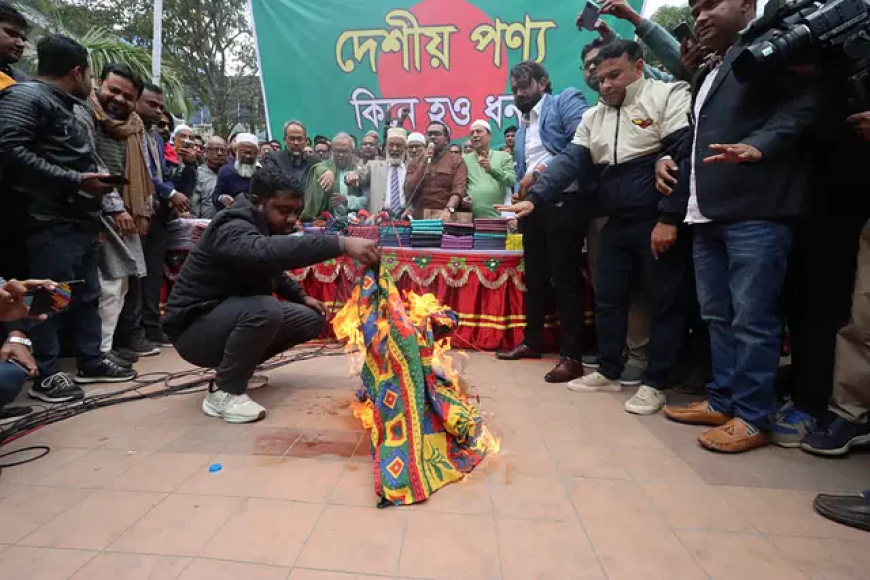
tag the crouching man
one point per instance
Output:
(222, 312)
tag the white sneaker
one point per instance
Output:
(646, 401)
(594, 382)
(233, 408)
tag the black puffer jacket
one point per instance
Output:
(44, 150)
(236, 256)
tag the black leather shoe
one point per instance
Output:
(518, 352)
(849, 509)
(567, 370)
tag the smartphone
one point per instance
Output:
(116, 180)
(589, 16)
(41, 300)
(682, 31)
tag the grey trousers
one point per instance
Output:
(851, 399)
(637, 337)
(244, 331)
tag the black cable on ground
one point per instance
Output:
(201, 378)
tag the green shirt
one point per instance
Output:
(487, 189)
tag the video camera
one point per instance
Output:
(834, 33)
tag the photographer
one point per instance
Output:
(16, 357)
(748, 181)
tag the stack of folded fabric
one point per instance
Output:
(490, 233)
(514, 242)
(395, 234)
(426, 233)
(458, 237)
(367, 232)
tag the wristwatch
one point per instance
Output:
(451, 209)
(18, 340)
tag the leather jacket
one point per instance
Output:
(44, 150)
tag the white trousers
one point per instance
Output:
(112, 295)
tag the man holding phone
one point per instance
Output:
(49, 161)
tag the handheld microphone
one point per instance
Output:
(431, 149)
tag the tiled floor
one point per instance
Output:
(580, 490)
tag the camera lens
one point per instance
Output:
(771, 54)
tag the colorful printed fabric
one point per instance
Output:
(425, 434)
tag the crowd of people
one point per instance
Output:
(714, 215)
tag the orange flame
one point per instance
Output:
(365, 412)
(491, 443)
(420, 307)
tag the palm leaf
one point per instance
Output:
(103, 48)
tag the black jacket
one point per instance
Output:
(777, 115)
(44, 150)
(237, 256)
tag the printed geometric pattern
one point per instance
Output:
(425, 434)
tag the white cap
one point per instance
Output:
(483, 125)
(180, 128)
(247, 138)
(397, 132)
(416, 138)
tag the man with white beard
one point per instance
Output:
(386, 177)
(235, 178)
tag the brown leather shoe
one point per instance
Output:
(517, 352)
(567, 370)
(696, 414)
(735, 436)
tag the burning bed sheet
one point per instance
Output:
(424, 432)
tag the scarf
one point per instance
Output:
(137, 194)
(5, 80)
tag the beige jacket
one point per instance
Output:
(651, 111)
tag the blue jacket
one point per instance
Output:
(163, 187)
(559, 119)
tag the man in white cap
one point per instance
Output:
(491, 174)
(386, 178)
(416, 145)
(236, 178)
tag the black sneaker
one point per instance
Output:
(126, 354)
(105, 371)
(12, 414)
(118, 360)
(141, 346)
(56, 388)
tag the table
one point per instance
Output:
(484, 288)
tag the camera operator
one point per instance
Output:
(748, 180)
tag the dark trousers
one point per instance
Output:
(626, 258)
(740, 268)
(818, 296)
(11, 380)
(141, 313)
(552, 251)
(244, 331)
(63, 252)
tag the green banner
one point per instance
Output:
(340, 65)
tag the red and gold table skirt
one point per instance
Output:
(484, 288)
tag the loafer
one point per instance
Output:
(700, 413)
(735, 436)
(567, 370)
(518, 352)
(847, 509)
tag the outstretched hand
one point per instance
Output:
(521, 208)
(734, 153)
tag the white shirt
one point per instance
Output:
(535, 152)
(388, 198)
(693, 212)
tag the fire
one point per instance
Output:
(347, 326)
(365, 412)
(419, 308)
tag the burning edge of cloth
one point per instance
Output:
(424, 432)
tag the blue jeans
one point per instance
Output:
(63, 252)
(740, 269)
(11, 380)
